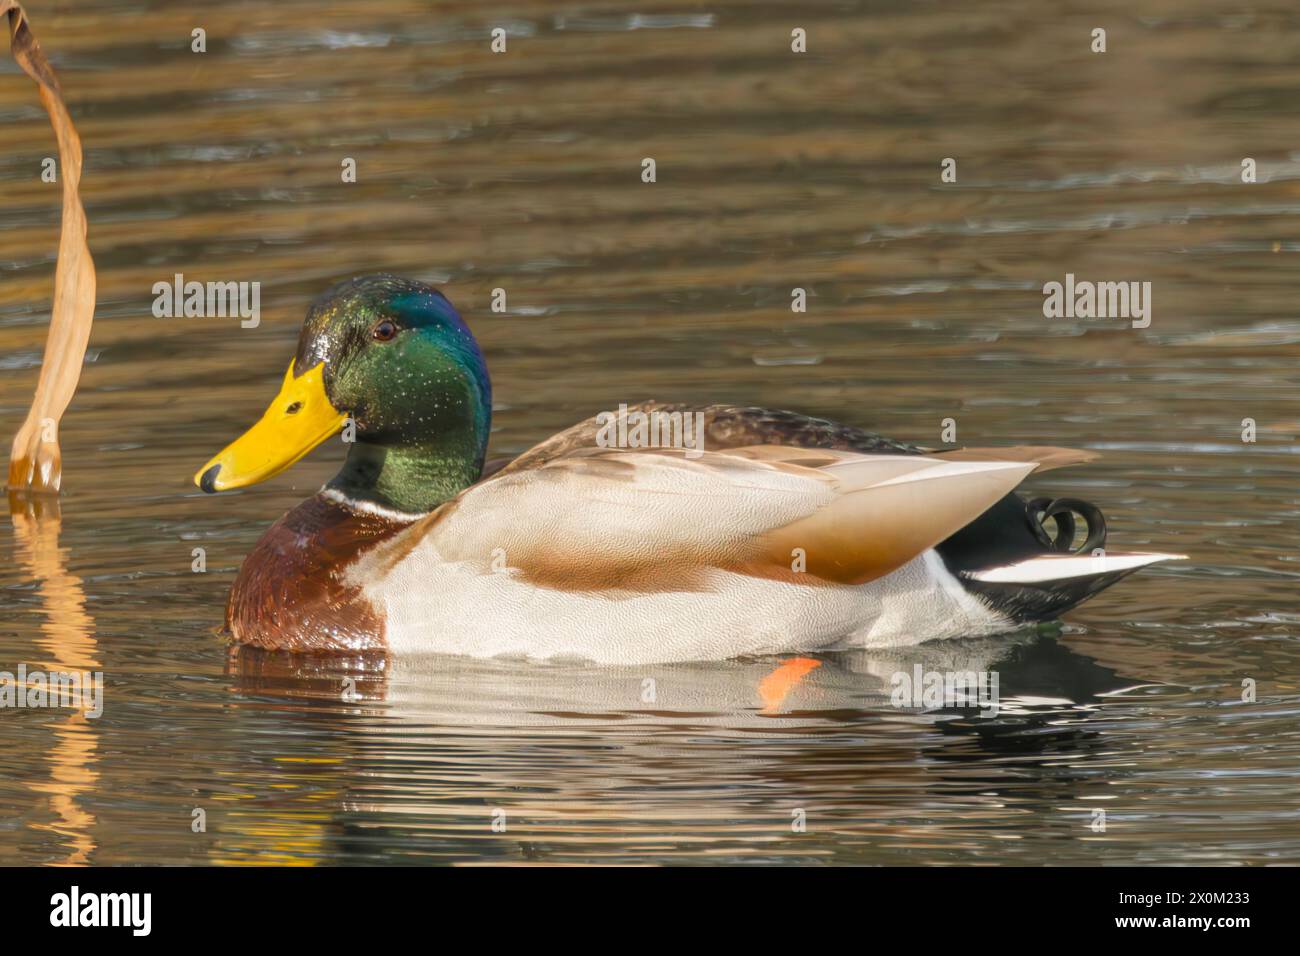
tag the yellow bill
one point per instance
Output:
(298, 419)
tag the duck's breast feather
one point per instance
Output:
(290, 593)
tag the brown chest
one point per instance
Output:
(290, 594)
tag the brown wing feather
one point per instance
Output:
(727, 427)
(655, 520)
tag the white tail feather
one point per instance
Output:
(1058, 567)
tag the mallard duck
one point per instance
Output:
(782, 533)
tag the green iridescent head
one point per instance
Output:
(399, 358)
(394, 357)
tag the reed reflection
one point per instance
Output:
(68, 644)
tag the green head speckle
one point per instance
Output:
(401, 361)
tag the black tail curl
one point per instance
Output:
(1062, 511)
(1014, 530)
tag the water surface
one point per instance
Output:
(775, 170)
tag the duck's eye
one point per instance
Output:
(384, 331)
(293, 409)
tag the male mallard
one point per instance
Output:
(783, 533)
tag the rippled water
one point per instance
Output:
(775, 170)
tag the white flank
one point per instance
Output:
(434, 606)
